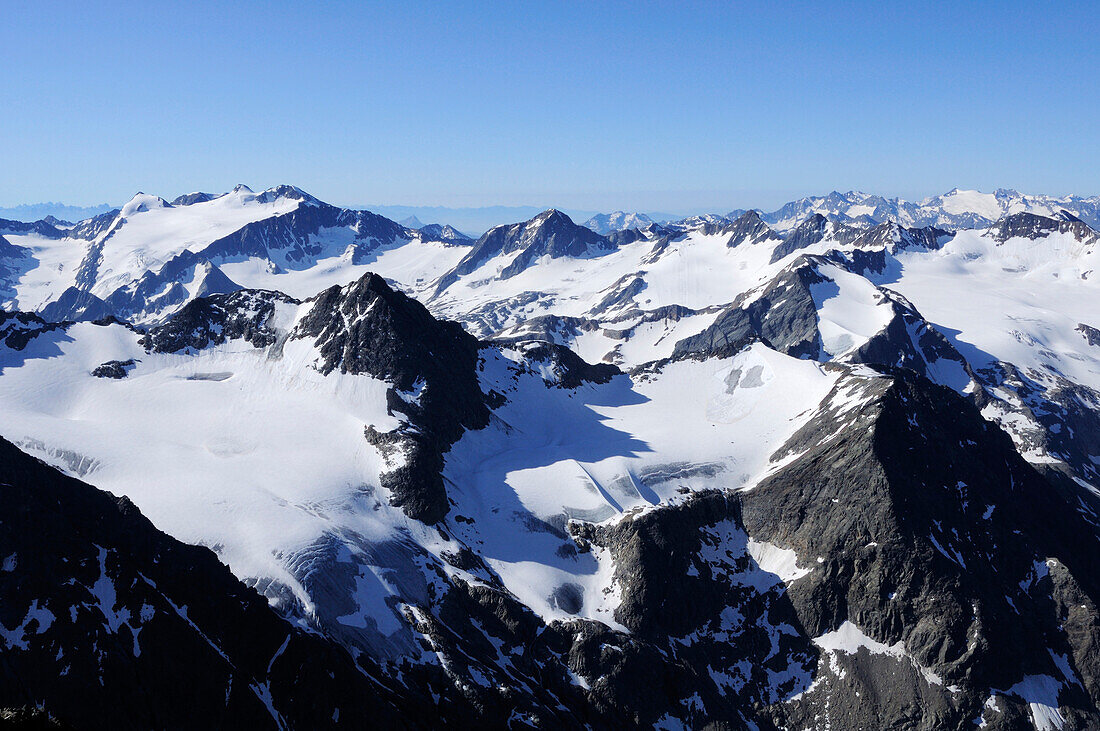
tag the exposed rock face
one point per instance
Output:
(19, 328)
(1031, 226)
(160, 291)
(907, 567)
(44, 228)
(892, 237)
(562, 367)
(749, 228)
(786, 316)
(934, 533)
(1060, 418)
(103, 616)
(190, 199)
(367, 327)
(213, 320)
(76, 304)
(1091, 334)
(814, 229)
(291, 234)
(551, 233)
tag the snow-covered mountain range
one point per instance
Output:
(954, 210)
(823, 468)
(605, 223)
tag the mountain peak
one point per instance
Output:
(606, 223)
(290, 192)
(367, 327)
(551, 215)
(142, 202)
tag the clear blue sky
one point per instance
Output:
(651, 106)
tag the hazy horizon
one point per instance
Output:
(580, 106)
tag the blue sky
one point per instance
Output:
(654, 106)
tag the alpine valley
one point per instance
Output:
(272, 463)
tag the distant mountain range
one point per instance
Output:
(954, 210)
(60, 211)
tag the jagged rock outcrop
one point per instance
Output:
(45, 228)
(892, 238)
(74, 305)
(560, 366)
(19, 328)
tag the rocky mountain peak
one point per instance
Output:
(442, 232)
(551, 233)
(749, 228)
(814, 229)
(1033, 226)
(189, 199)
(289, 192)
(368, 327)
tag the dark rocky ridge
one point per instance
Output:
(444, 233)
(367, 327)
(790, 328)
(190, 199)
(569, 369)
(896, 496)
(892, 238)
(75, 304)
(116, 369)
(208, 321)
(1032, 226)
(19, 328)
(1091, 334)
(44, 228)
(109, 623)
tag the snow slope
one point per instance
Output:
(253, 452)
(153, 257)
